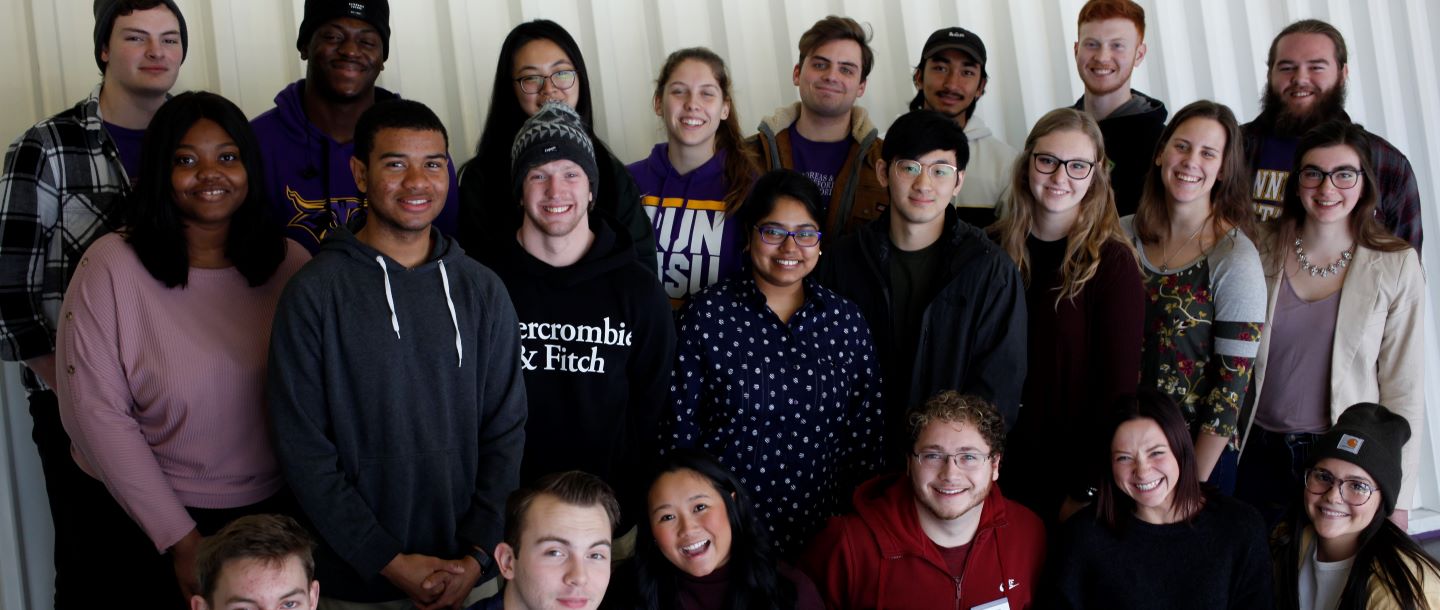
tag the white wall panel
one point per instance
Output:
(443, 53)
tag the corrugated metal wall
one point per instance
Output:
(443, 53)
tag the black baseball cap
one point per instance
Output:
(959, 39)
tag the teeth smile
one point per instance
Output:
(1148, 486)
(692, 122)
(557, 209)
(787, 263)
(1190, 179)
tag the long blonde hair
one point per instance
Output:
(1097, 224)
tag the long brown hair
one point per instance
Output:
(1097, 224)
(1364, 227)
(741, 166)
(1230, 201)
(1188, 495)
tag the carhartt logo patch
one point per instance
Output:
(1350, 443)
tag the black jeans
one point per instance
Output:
(1272, 471)
(89, 527)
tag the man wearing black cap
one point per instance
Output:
(62, 183)
(597, 339)
(307, 138)
(950, 79)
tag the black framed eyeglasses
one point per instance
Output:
(1076, 169)
(563, 79)
(776, 234)
(964, 460)
(1343, 178)
(1352, 491)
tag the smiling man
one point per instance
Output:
(950, 80)
(945, 305)
(597, 339)
(915, 538)
(308, 138)
(1307, 71)
(395, 390)
(558, 548)
(825, 135)
(1111, 45)
(62, 187)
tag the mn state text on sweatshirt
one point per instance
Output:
(1131, 134)
(398, 407)
(307, 173)
(696, 245)
(596, 344)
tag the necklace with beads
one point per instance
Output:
(1327, 270)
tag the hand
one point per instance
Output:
(454, 583)
(44, 368)
(1401, 517)
(408, 573)
(183, 556)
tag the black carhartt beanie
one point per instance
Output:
(107, 10)
(319, 12)
(1369, 436)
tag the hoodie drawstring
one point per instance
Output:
(389, 297)
(459, 348)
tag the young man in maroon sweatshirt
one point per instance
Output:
(942, 531)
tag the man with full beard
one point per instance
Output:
(308, 137)
(1307, 70)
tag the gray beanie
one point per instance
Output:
(107, 10)
(1369, 436)
(555, 132)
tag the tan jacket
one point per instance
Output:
(1378, 354)
(1380, 597)
(857, 197)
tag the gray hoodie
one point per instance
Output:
(398, 407)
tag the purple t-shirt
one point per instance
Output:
(127, 142)
(819, 161)
(1277, 158)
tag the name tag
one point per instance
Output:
(999, 604)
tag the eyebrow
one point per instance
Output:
(242, 599)
(148, 33)
(402, 155)
(966, 449)
(843, 63)
(782, 225)
(690, 499)
(556, 63)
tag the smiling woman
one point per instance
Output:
(164, 335)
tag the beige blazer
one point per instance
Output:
(1379, 354)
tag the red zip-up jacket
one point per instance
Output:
(880, 558)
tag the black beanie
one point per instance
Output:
(107, 10)
(1369, 436)
(320, 12)
(554, 132)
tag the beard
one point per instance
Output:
(1285, 123)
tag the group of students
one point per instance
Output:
(405, 345)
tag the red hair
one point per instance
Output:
(1100, 10)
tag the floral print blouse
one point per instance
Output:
(1202, 330)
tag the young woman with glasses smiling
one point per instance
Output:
(1345, 304)
(776, 375)
(1205, 292)
(1085, 303)
(1338, 550)
(539, 61)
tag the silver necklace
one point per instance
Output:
(1165, 264)
(1327, 270)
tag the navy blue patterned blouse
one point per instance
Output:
(793, 409)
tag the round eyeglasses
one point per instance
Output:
(1343, 178)
(776, 234)
(942, 173)
(1076, 169)
(564, 79)
(1352, 491)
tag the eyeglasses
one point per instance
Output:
(1343, 178)
(964, 460)
(939, 172)
(1076, 169)
(1353, 492)
(533, 83)
(775, 235)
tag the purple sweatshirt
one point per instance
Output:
(307, 174)
(695, 244)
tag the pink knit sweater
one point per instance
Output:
(162, 389)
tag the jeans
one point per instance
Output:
(1272, 474)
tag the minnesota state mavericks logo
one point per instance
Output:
(318, 216)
